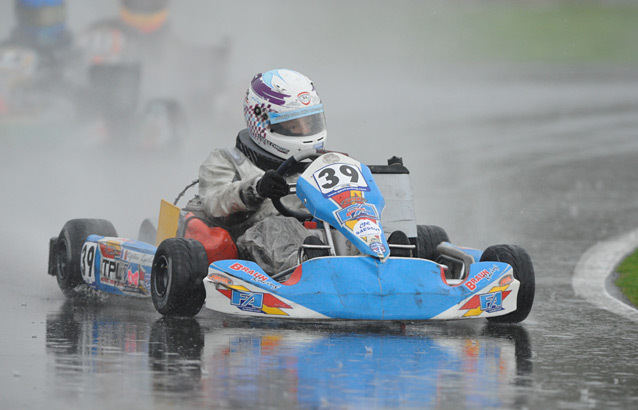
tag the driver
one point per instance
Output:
(36, 57)
(284, 115)
(41, 26)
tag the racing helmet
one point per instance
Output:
(283, 113)
(41, 18)
(145, 16)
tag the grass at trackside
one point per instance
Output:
(628, 280)
(560, 31)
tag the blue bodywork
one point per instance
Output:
(118, 266)
(365, 288)
(373, 286)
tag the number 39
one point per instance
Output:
(87, 259)
(336, 175)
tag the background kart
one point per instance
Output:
(30, 88)
(414, 274)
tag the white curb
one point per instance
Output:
(596, 264)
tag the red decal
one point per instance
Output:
(225, 292)
(133, 278)
(472, 303)
(272, 301)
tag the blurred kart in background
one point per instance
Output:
(29, 89)
(142, 81)
(34, 62)
(129, 78)
(17, 68)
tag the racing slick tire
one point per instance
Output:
(66, 249)
(523, 268)
(428, 238)
(179, 266)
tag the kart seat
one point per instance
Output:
(216, 240)
(456, 261)
(400, 245)
(313, 247)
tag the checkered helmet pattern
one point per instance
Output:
(276, 95)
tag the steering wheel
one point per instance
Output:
(283, 169)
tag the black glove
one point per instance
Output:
(272, 185)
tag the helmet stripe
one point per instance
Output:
(277, 117)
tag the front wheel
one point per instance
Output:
(521, 263)
(67, 247)
(179, 266)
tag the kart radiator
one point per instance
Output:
(394, 182)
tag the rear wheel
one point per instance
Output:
(428, 238)
(163, 124)
(179, 266)
(68, 247)
(523, 268)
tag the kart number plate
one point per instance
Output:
(87, 261)
(336, 178)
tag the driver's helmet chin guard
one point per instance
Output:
(284, 114)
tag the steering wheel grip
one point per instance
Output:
(283, 169)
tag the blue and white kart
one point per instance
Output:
(354, 271)
(358, 276)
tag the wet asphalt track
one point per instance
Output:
(551, 170)
(539, 156)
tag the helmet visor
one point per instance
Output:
(298, 123)
(300, 127)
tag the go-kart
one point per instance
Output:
(29, 87)
(352, 271)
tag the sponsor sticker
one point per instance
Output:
(133, 278)
(258, 277)
(484, 275)
(330, 158)
(215, 277)
(357, 211)
(378, 248)
(110, 249)
(492, 302)
(304, 97)
(366, 227)
(506, 280)
(247, 301)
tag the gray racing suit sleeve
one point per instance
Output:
(227, 184)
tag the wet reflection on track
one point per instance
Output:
(175, 355)
(244, 364)
(383, 366)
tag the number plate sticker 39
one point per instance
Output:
(336, 178)
(87, 261)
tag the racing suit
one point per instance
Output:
(227, 187)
